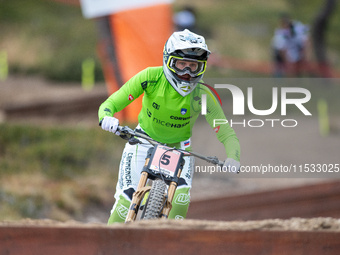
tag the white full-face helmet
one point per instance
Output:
(185, 53)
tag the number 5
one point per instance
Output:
(165, 159)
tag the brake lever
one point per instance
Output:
(128, 134)
(214, 160)
(126, 130)
(134, 141)
(124, 136)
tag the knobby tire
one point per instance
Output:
(155, 200)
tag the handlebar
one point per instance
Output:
(128, 134)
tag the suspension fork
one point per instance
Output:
(171, 193)
(138, 195)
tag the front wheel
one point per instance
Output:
(155, 201)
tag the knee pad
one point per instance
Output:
(119, 210)
(180, 204)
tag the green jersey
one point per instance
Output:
(166, 116)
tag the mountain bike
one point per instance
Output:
(163, 166)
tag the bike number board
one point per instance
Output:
(165, 161)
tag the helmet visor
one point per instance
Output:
(183, 66)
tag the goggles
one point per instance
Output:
(183, 66)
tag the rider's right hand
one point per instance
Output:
(110, 124)
(232, 165)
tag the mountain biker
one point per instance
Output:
(171, 105)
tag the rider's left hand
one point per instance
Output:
(232, 165)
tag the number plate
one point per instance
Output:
(166, 160)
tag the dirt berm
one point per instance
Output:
(267, 237)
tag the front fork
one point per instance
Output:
(138, 195)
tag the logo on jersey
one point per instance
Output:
(144, 85)
(183, 111)
(216, 129)
(107, 110)
(156, 106)
(131, 97)
(148, 112)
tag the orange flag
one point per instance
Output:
(132, 38)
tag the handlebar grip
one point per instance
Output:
(101, 122)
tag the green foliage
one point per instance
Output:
(57, 153)
(55, 172)
(48, 38)
(53, 39)
(22, 206)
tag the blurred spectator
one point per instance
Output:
(185, 19)
(289, 45)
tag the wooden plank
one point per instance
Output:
(90, 241)
(308, 201)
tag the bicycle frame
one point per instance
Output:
(168, 171)
(152, 171)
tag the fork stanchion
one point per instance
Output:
(137, 198)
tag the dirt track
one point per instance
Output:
(269, 237)
(293, 224)
(35, 100)
(294, 236)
